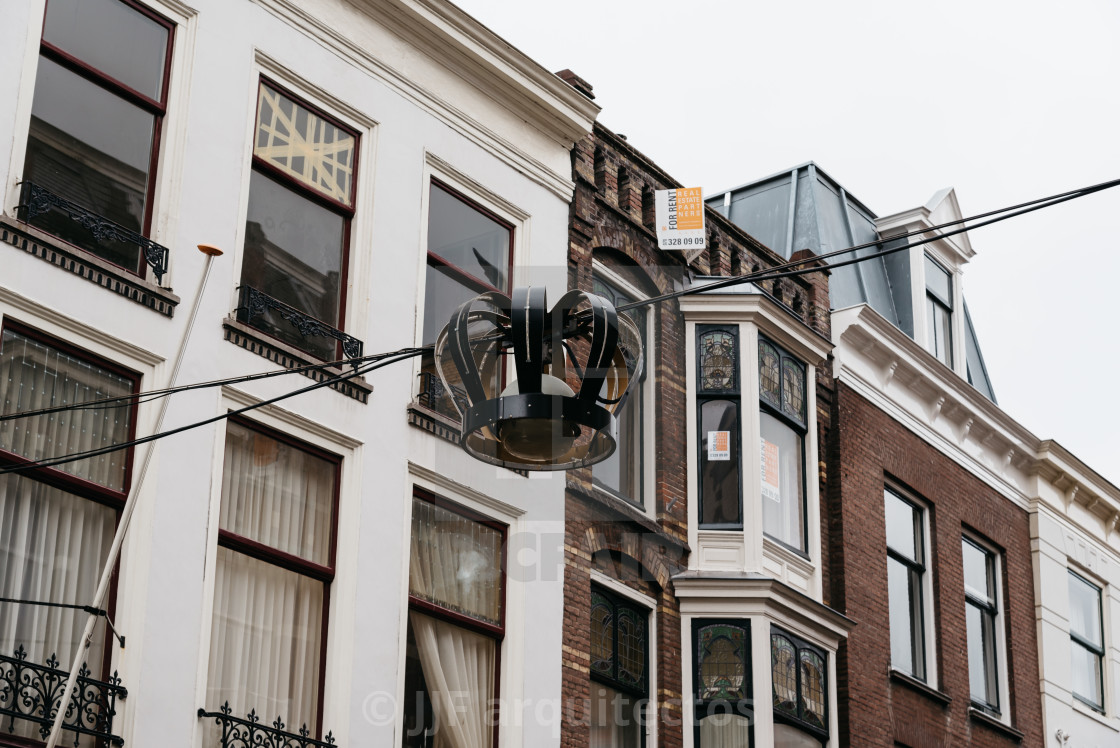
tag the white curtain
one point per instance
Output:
(267, 634)
(725, 731)
(459, 670)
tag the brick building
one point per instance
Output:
(705, 601)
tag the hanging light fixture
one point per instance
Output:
(574, 366)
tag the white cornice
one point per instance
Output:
(888, 368)
(941, 208)
(445, 34)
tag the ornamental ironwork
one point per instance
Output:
(249, 732)
(36, 200)
(34, 693)
(252, 303)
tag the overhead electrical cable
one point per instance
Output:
(365, 364)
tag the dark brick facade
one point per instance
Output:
(866, 449)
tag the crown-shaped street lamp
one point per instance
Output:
(574, 366)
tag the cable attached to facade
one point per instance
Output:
(101, 612)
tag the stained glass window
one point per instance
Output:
(719, 366)
(304, 145)
(793, 389)
(800, 683)
(619, 642)
(721, 651)
(769, 385)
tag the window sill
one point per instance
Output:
(978, 715)
(897, 676)
(94, 269)
(1088, 711)
(289, 357)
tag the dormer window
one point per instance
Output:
(939, 311)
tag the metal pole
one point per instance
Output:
(126, 515)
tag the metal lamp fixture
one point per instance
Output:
(574, 366)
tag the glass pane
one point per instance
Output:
(294, 253)
(719, 367)
(34, 376)
(793, 389)
(903, 528)
(724, 730)
(782, 495)
(1085, 610)
(277, 495)
(631, 646)
(783, 664)
(266, 639)
(814, 691)
(93, 148)
(455, 562)
(471, 241)
(981, 656)
(602, 635)
(977, 571)
(721, 651)
(902, 622)
(719, 478)
(304, 145)
(938, 282)
(939, 331)
(1085, 671)
(621, 472)
(616, 718)
(119, 41)
(769, 385)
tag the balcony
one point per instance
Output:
(31, 693)
(262, 312)
(86, 229)
(250, 733)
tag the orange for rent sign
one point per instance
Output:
(680, 218)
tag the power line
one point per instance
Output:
(376, 361)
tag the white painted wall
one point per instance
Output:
(424, 85)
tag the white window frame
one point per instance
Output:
(929, 622)
(1000, 629)
(646, 460)
(650, 605)
(1102, 600)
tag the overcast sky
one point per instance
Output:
(1005, 101)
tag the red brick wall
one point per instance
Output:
(867, 448)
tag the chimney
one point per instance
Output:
(576, 82)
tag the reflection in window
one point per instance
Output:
(981, 614)
(782, 408)
(718, 400)
(1086, 635)
(939, 312)
(100, 97)
(722, 690)
(799, 675)
(298, 222)
(469, 253)
(906, 559)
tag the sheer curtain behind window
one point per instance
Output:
(267, 628)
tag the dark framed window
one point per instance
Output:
(723, 708)
(939, 311)
(57, 523)
(718, 403)
(470, 252)
(799, 673)
(906, 569)
(621, 473)
(1086, 634)
(619, 671)
(456, 622)
(96, 119)
(782, 426)
(981, 622)
(275, 565)
(301, 204)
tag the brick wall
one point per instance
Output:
(866, 448)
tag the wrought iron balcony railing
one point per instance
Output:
(36, 200)
(34, 693)
(250, 733)
(253, 303)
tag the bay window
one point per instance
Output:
(782, 406)
(799, 673)
(96, 117)
(718, 403)
(57, 523)
(275, 564)
(619, 671)
(456, 621)
(722, 697)
(297, 229)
